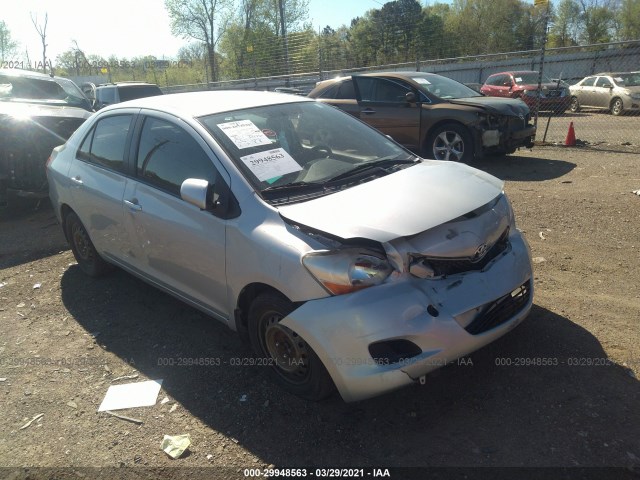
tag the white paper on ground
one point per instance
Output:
(272, 163)
(244, 134)
(130, 395)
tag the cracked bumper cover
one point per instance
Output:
(341, 328)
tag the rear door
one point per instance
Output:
(383, 105)
(179, 246)
(586, 95)
(343, 96)
(99, 175)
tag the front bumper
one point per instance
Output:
(341, 328)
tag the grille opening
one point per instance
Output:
(502, 310)
(393, 351)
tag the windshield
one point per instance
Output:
(530, 78)
(298, 143)
(627, 79)
(58, 91)
(444, 87)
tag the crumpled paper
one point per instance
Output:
(175, 445)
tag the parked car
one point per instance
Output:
(554, 96)
(616, 92)
(110, 93)
(37, 113)
(345, 260)
(432, 115)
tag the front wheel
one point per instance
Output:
(617, 107)
(450, 142)
(295, 366)
(86, 255)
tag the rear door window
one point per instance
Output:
(105, 144)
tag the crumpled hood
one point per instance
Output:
(401, 204)
(504, 106)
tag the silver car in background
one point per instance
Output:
(344, 259)
(616, 92)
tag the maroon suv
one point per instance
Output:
(524, 85)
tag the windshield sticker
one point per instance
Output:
(270, 164)
(518, 79)
(618, 79)
(244, 134)
(270, 134)
(422, 81)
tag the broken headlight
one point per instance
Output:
(347, 270)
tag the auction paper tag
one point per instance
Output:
(272, 163)
(244, 134)
(518, 79)
(421, 80)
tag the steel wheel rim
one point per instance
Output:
(81, 241)
(448, 144)
(285, 348)
(574, 105)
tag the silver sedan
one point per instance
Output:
(616, 92)
(346, 261)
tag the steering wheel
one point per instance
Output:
(322, 150)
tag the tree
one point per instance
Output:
(597, 19)
(8, 47)
(566, 24)
(629, 19)
(42, 32)
(202, 20)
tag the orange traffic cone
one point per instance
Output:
(570, 141)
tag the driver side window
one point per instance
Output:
(168, 155)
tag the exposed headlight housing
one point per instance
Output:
(347, 270)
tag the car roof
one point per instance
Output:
(197, 104)
(132, 84)
(16, 72)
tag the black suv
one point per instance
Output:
(109, 93)
(37, 113)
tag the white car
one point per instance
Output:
(345, 260)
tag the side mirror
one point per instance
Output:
(197, 192)
(410, 97)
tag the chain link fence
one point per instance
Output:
(600, 85)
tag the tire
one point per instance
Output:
(293, 364)
(575, 105)
(86, 255)
(450, 142)
(617, 107)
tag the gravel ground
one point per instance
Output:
(64, 338)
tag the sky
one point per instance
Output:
(128, 28)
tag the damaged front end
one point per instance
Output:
(505, 133)
(438, 295)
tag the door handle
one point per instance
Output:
(77, 180)
(368, 111)
(133, 205)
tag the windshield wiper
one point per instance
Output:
(294, 186)
(383, 163)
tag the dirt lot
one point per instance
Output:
(65, 337)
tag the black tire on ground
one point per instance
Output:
(293, 363)
(450, 141)
(617, 106)
(86, 255)
(575, 105)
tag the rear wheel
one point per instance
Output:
(617, 107)
(294, 365)
(450, 142)
(575, 105)
(86, 255)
